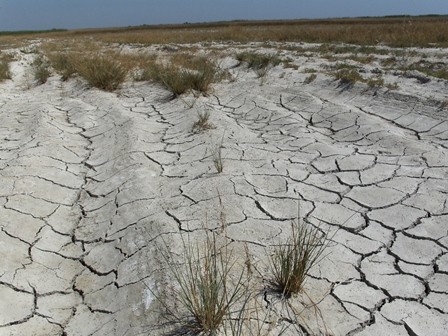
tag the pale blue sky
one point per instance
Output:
(48, 14)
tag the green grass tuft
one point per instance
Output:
(291, 262)
(208, 286)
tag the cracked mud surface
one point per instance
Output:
(92, 182)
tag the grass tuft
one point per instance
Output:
(4, 70)
(203, 122)
(102, 72)
(392, 86)
(41, 70)
(375, 82)
(348, 76)
(438, 70)
(185, 73)
(208, 286)
(63, 63)
(310, 78)
(291, 262)
(260, 63)
(217, 158)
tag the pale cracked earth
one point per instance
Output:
(92, 183)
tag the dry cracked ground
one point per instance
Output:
(93, 183)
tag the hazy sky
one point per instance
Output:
(48, 14)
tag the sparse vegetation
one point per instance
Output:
(63, 63)
(203, 122)
(310, 70)
(344, 66)
(438, 70)
(102, 72)
(375, 82)
(310, 78)
(348, 76)
(260, 63)
(389, 61)
(4, 70)
(41, 70)
(288, 64)
(400, 31)
(291, 262)
(217, 158)
(363, 59)
(209, 285)
(392, 86)
(185, 73)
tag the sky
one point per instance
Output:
(70, 14)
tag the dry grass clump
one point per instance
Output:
(209, 286)
(185, 72)
(4, 70)
(202, 123)
(259, 62)
(375, 82)
(41, 70)
(363, 59)
(215, 292)
(102, 72)
(63, 63)
(311, 78)
(216, 153)
(392, 86)
(444, 105)
(5, 59)
(389, 61)
(292, 261)
(438, 69)
(348, 77)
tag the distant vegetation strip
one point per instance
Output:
(396, 31)
(30, 32)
